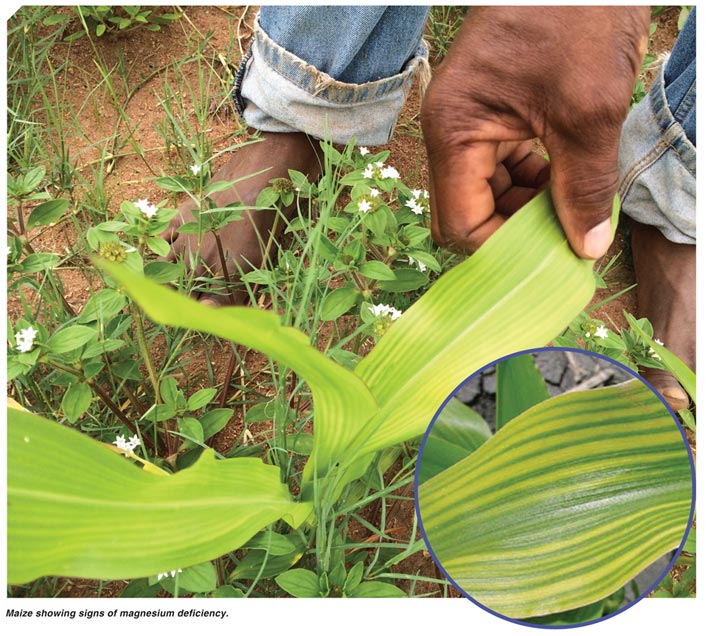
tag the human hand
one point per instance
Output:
(563, 74)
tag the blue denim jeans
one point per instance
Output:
(339, 72)
(333, 72)
(658, 147)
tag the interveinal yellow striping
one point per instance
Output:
(569, 501)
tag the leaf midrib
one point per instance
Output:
(199, 502)
(415, 379)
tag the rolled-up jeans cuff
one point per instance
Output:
(657, 163)
(277, 91)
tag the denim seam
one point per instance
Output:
(238, 80)
(671, 130)
(650, 158)
(640, 165)
(688, 102)
(326, 87)
(672, 138)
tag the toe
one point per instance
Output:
(668, 387)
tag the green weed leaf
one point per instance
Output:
(158, 245)
(377, 270)
(405, 280)
(300, 583)
(70, 338)
(76, 401)
(171, 393)
(458, 431)
(213, 421)
(339, 301)
(200, 399)
(519, 387)
(198, 578)
(47, 213)
(102, 306)
(377, 589)
(38, 262)
(162, 272)
(31, 180)
(192, 430)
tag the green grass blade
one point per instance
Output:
(75, 508)
(519, 387)
(458, 431)
(519, 291)
(565, 504)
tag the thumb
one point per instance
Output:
(584, 182)
(462, 205)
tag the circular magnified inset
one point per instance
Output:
(554, 487)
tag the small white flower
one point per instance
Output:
(653, 353)
(382, 310)
(601, 332)
(374, 192)
(120, 442)
(419, 264)
(171, 573)
(379, 164)
(587, 334)
(389, 172)
(364, 150)
(416, 193)
(368, 172)
(25, 339)
(364, 206)
(9, 249)
(127, 445)
(416, 207)
(196, 169)
(146, 207)
(425, 194)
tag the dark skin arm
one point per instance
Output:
(562, 74)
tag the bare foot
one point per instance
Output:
(666, 295)
(244, 241)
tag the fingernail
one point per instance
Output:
(597, 241)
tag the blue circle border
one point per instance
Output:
(678, 550)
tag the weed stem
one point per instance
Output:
(359, 282)
(142, 343)
(20, 218)
(98, 390)
(222, 260)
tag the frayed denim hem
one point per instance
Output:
(276, 91)
(657, 163)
